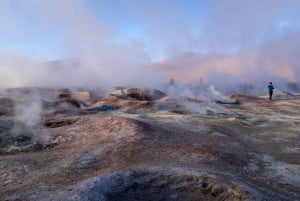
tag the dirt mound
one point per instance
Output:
(133, 100)
(119, 128)
(141, 94)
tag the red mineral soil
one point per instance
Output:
(140, 144)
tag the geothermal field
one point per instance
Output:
(149, 100)
(144, 144)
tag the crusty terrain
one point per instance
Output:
(143, 148)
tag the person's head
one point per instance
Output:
(270, 82)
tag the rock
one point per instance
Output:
(23, 140)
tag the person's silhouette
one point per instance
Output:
(271, 88)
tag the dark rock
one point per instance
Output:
(23, 140)
(38, 147)
(41, 147)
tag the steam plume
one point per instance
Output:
(92, 43)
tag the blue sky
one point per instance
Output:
(40, 29)
(23, 33)
(34, 35)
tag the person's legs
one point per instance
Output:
(270, 95)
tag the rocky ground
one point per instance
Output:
(137, 144)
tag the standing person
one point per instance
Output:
(270, 87)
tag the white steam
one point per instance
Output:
(113, 43)
(29, 113)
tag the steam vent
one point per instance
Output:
(140, 144)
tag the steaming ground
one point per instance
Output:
(141, 144)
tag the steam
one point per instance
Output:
(29, 113)
(142, 43)
(90, 57)
(200, 98)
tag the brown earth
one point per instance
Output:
(151, 149)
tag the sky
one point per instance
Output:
(39, 29)
(145, 43)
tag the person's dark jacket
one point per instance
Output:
(270, 86)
